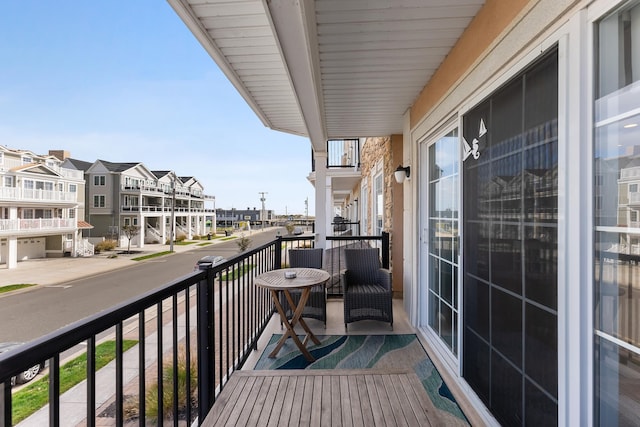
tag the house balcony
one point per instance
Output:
(22, 195)
(343, 168)
(37, 226)
(141, 189)
(206, 326)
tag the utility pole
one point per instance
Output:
(262, 213)
(173, 212)
(306, 211)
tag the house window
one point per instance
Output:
(127, 221)
(99, 201)
(99, 180)
(73, 188)
(27, 214)
(8, 181)
(616, 144)
(28, 184)
(364, 196)
(1, 157)
(27, 160)
(442, 294)
(72, 213)
(510, 268)
(43, 213)
(378, 204)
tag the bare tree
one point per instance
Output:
(130, 231)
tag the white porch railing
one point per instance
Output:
(41, 224)
(22, 194)
(85, 248)
(152, 234)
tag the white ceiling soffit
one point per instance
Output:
(329, 68)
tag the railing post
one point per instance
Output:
(206, 362)
(5, 403)
(385, 249)
(277, 259)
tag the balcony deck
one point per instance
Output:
(353, 397)
(248, 385)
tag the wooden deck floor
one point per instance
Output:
(362, 397)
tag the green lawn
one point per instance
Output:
(15, 287)
(237, 272)
(157, 254)
(35, 395)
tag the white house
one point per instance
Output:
(39, 201)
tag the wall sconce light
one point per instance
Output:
(401, 173)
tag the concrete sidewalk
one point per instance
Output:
(57, 271)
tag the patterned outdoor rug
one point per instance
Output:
(368, 351)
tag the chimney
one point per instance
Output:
(60, 154)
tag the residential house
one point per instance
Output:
(233, 217)
(122, 194)
(515, 123)
(40, 213)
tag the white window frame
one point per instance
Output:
(99, 180)
(364, 198)
(99, 198)
(377, 205)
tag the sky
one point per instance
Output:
(126, 81)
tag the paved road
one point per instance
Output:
(28, 315)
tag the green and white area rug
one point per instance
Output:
(367, 351)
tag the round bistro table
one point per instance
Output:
(275, 281)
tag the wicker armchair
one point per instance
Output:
(367, 287)
(316, 306)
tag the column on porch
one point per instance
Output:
(323, 200)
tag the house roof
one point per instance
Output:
(118, 167)
(84, 225)
(79, 164)
(160, 174)
(329, 68)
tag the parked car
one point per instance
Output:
(209, 259)
(298, 231)
(29, 374)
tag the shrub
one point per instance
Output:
(181, 237)
(151, 397)
(290, 227)
(243, 243)
(105, 245)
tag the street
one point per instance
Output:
(32, 314)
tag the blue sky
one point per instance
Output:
(125, 81)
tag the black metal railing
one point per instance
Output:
(333, 258)
(343, 153)
(346, 228)
(211, 319)
(215, 314)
